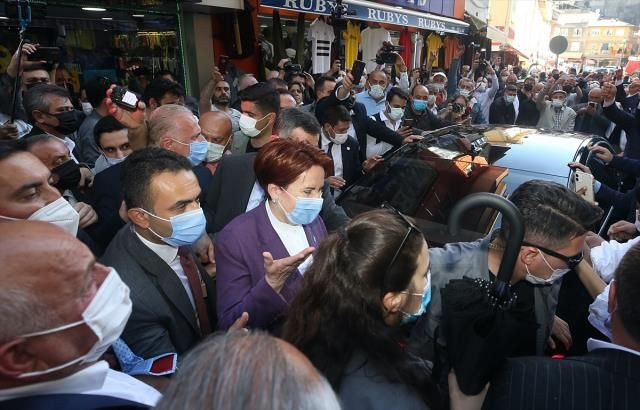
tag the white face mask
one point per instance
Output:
(86, 108)
(215, 152)
(464, 92)
(376, 92)
(339, 138)
(106, 315)
(557, 102)
(114, 161)
(248, 126)
(59, 213)
(396, 113)
(555, 274)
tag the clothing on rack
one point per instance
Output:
(321, 36)
(405, 41)
(418, 45)
(433, 43)
(372, 39)
(351, 39)
(450, 46)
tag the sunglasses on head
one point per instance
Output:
(571, 261)
(410, 226)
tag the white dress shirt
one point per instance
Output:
(381, 147)
(257, 196)
(593, 344)
(96, 379)
(335, 154)
(293, 237)
(169, 255)
(606, 257)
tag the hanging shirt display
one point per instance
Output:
(405, 41)
(417, 41)
(450, 46)
(433, 44)
(351, 39)
(372, 39)
(321, 36)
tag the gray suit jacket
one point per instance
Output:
(230, 189)
(163, 319)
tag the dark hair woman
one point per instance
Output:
(363, 284)
(261, 255)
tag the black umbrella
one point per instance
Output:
(482, 319)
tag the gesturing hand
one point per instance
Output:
(278, 271)
(129, 119)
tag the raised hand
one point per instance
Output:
(278, 271)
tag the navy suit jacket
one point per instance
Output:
(241, 285)
(502, 113)
(351, 164)
(624, 202)
(601, 379)
(629, 104)
(106, 199)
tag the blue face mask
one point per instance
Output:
(419, 105)
(186, 228)
(197, 151)
(305, 211)
(426, 298)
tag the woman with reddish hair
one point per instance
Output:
(261, 255)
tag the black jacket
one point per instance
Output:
(231, 187)
(501, 112)
(528, 113)
(596, 124)
(601, 379)
(425, 121)
(351, 164)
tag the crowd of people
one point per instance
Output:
(189, 253)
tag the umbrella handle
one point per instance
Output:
(516, 229)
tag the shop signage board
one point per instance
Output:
(369, 11)
(442, 7)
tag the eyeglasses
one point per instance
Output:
(571, 261)
(411, 226)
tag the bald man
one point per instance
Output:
(373, 97)
(589, 118)
(217, 129)
(61, 310)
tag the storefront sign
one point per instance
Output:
(443, 7)
(358, 11)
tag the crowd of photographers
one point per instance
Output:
(163, 250)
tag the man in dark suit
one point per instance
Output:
(502, 110)
(361, 123)
(608, 377)
(589, 116)
(172, 127)
(418, 112)
(173, 297)
(528, 113)
(234, 190)
(623, 119)
(341, 147)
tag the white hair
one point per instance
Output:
(163, 121)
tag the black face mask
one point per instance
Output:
(68, 175)
(69, 121)
(567, 89)
(528, 87)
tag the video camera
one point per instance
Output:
(290, 68)
(387, 54)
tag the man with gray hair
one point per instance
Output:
(172, 127)
(50, 110)
(61, 310)
(248, 370)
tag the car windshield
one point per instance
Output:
(426, 179)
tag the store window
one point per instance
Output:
(577, 32)
(110, 43)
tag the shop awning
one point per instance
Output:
(371, 11)
(496, 35)
(514, 50)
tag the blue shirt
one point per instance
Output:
(372, 106)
